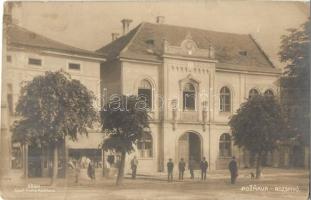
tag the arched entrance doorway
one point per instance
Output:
(190, 145)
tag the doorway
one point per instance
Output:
(190, 146)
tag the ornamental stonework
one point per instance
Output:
(188, 48)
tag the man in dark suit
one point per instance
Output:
(233, 168)
(134, 164)
(181, 168)
(203, 166)
(170, 167)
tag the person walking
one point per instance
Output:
(170, 167)
(134, 165)
(203, 166)
(77, 170)
(181, 168)
(191, 167)
(233, 168)
(91, 170)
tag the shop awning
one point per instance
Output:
(92, 141)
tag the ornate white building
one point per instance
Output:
(193, 80)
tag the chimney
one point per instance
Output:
(126, 25)
(160, 19)
(114, 36)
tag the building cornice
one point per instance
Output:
(189, 58)
(140, 61)
(248, 72)
(56, 53)
(219, 68)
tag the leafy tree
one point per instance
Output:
(51, 107)
(124, 120)
(295, 83)
(257, 126)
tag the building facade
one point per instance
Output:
(27, 55)
(193, 80)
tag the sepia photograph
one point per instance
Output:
(155, 100)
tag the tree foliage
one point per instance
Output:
(53, 106)
(124, 121)
(258, 125)
(295, 83)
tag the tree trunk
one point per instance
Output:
(121, 169)
(258, 166)
(54, 164)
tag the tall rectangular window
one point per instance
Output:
(146, 95)
(16, 159)
(225, 100)
(189, 97)
(74, 66)
(34, 61)
(10, 99)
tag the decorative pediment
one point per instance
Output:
(188, 47)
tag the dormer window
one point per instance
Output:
(150, 42)
(34, 61)
(74, 66)
(150, 45)
(243, 53)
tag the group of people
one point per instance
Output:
(233, 168)
(182, 168)
(82, 163)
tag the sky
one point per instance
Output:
(89, 25)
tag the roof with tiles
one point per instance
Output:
(19, 36)
(239, 50)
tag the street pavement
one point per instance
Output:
(275, 184)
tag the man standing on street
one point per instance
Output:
(203, 166)
(181, 167)
(191, 167)
(170, 167)
(233, 167)
(134, 164)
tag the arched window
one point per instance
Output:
(145, 92)
(225, 145)
(269, 93)
(252, 93)
(225, 100)
(189, 97)
(144, 145)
